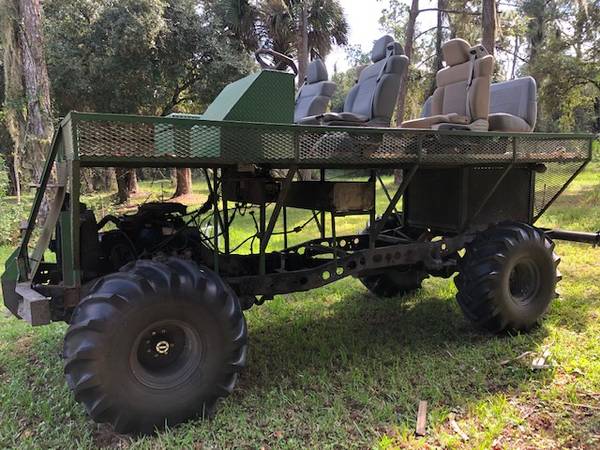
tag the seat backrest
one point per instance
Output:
(517, 97)
(314, 95)
(463, 87)
(376, 91)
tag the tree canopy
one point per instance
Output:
(138, 56)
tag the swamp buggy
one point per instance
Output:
(155, 299)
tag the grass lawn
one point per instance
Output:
(337, 367)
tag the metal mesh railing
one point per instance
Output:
(116, 140)
(100, 137)
(551, 181)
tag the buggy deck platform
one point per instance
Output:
(108, 139)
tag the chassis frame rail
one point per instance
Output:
(107, 140)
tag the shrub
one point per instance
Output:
(10, 212)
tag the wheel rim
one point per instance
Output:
(524, 281)
(166, 354)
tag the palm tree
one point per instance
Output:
(304, 29)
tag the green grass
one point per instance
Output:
(336, 367)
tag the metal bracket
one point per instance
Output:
(33, 306)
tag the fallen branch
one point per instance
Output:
(521, 356)
(456, 428)
(421, 429)
(540, 363)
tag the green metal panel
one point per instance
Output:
(11, 270)
(8, 282)
(199, 140)
(71, 243)
(266, 96)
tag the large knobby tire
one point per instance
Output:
(154, 345)
(507, 277)
(394, 281)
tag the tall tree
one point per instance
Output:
(439, 40)
(301, 29)
(27, 87)
(488, 15)
(408, 51)
(163, 56)
(401, 21)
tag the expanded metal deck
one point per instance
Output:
(139, 141)
(106, 139)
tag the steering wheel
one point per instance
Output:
(278, 61)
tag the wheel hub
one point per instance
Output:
(524, 281)
(163, 347)
(166, 354)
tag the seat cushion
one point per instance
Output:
(341, 119)
(429, 122)
(344, 117)
(508, 123)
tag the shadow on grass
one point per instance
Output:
(384, 354)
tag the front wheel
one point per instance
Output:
(507, 277)
(155, 345)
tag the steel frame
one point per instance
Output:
(360, 254)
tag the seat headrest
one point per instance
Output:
(396, 48)
(316, 72)
(479, 51)
(379, 51)
(456, 51)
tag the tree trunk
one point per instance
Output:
(27, 89)
(132, 183)
(403, 91)
(596, 126)
(302, 44)
(14, 90)
(302, 52)
(439, 39)
(488, 21)
(183, 184)
(513, 70)
(535, 35)
(408, 49)
(126, 184)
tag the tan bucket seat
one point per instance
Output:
(462, 97)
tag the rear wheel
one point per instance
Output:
(394, 282)
(507, 277)
(154, 345)
(399, 280)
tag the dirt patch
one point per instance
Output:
(189, 199)
(542, 423)
(23, 345)
(105, 437)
